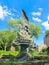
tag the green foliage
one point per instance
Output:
(32, 53)
(6, 38)
(48, 50)
(3, 52)
(44, 49)
(18, 63)
(15, 24)
(35, 30)
(47, 33)
(22, 63)
(17, 48)
(31, 26)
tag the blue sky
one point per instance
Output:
(36, 10)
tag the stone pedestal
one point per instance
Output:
(23, 53)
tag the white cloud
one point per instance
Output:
(46, 25)
(40, 9)
(4, 11)
(36, 13)
(48, 17)
(36, 19)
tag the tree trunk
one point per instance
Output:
(5, 48)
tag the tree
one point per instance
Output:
(35, 30)
(15, 25)
(46, 33)
(6, 38)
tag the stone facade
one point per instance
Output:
(46, 41)
(40, 47)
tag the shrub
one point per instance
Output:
(48, 50)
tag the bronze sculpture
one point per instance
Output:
(24, 39)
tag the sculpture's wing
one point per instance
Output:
(25, 16)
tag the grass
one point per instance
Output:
(15, 53)
(33, 53)
(11, 55)
(3, 52)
